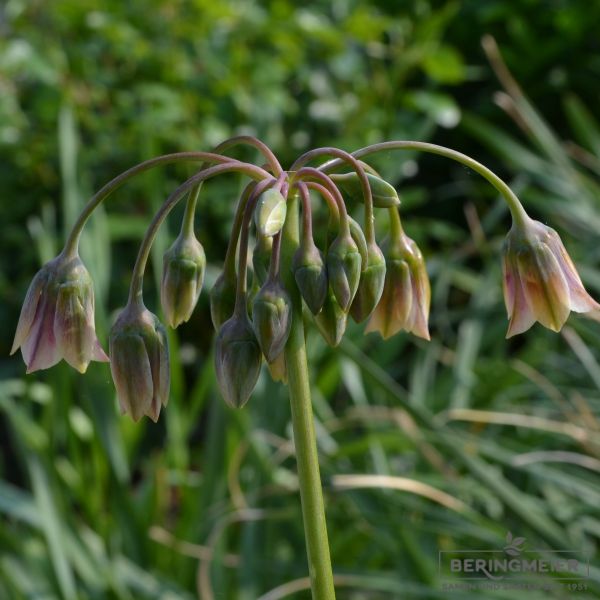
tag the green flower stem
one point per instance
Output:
(360, 171)
(307, 230)
(187, 224)
(256, 143)
(73, 240)
(230, 254)
(135, 290)
(240, 295)
(273, 164)
(518, 213)
(308, 173)
(311, 494)
(395, 223)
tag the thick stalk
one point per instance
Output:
(311, 494)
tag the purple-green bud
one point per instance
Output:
(384, 195)
(261, 258)
(371, 285)
(222, 298)
(310, 274)
(332, 320)
(57, 318)
(270, 211)
(139, 362)
(343, 268)
(237, 360)
(272, 318)
(183, 273)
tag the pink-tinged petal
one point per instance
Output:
(389, 317)
(417, 321)
(522, 317)
(544, 285)
(29, 309)
(131, 374)
(509, 279)
(73, 331)
(98, 352)
(40, 350)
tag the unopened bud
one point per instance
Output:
(384, 194)
(343, 268)
(222, 299)
(332, 320)
(310, 274)
(270, 211)
(361, 242)
(139, 362)
(183, 273)
(261, 258)
(271, 318)
(237, 360)
(371, 284)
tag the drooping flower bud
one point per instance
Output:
(370, 287)
(261, 258)
(222, 298)
(57, 318)
(272, 318)
(356, 233)
(183, 273)
(343, 268)
(270, 211)
(406, 294)
(540, 281)
(332, 320)
(384, 194)
(139, 362)
(310, 274)
(237, 360)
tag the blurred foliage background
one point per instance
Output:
(205, 503)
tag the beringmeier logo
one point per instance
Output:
(512, 567)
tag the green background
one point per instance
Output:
(205, 502)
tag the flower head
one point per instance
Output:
(540, 281)
(406, 294)
(139, 362)
(57, 318)
(183, 273)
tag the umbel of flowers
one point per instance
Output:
(350, 275)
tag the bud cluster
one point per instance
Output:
(350, 276)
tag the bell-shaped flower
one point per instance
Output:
(370, 287)
(343, 268)
(57, 318)
(183, 273)
(139, 362)
(272, 318)
(237, 359)
(310, 274)
(540, 281)
(406, 297)
(332, 320)
(222, 298)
